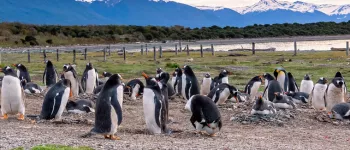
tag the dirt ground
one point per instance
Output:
(300, 131)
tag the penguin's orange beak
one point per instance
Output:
(260, 96)
(1, 70)
(70, 93)
(262, 79)
(236, 99)
(145, 75)
(14, 65)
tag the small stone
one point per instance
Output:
(335, 123)
(233, 118)
(280, 123)
(244, 122)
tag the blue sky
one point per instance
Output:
(239, 3)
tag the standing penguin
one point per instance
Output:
(335, 93)
(317, 96)
(268, 77)
(338, 74)
(223, 92)
(271, 89)
(165, 75)
(55, 100)
(292, 86)
(282, 78)
(178, 83)
(71, 75)
(104, 78)
(154, 107)
(191, 87)
(306, 84)
(134, 88)
(253, 86)
(205, 115)
(89, 80)
(263, 107)
(50, 75)
(22, 73)
(12, 96)
(283, 101)
(206, 83)
(340, 111)
(222, 78)
(173, 80)
(108, 113)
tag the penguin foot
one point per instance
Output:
(213, 135)
(107, 136)
(112, 137)
(5, 117)
(20, 117)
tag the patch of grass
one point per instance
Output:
(60, 147)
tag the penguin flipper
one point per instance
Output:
(117, 107)
(157, 113)
(187, 88)
(310, 96)
(324, 97)
(44, 77)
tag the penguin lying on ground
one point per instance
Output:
(306, 84)
(298, 97)
(222, 78)
(223, 92)
(12, 95)
(263, 107)
(154, 107)
(271, 89)
(340, 111)
(89, 81)
(253, 86)
(292, 85)
(206, 83)
(50, 76)
(282, 78)
(268, 77)
(31, 87)
(134, 88)
(205, 115)
(283, 101)
(317, 96)
(191, 83)
(22, 73)
(108, 113)
(335, 93)
(80, 106)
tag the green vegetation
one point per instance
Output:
(318, 64)
(17, 34)
(56, 147)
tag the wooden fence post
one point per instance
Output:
(180, 45)
(57, 55)
(154, 53)
(253, 48)
(175, 49)
(124, 53)
(347, 48)
(44, 53)
(188, 50)
(146, 50)
(141, 49)
(295, 48)
(160, 52)
(201, 50)
(28, 56)
(212, 50)
(109, 50)
(74, 55)
(104, 55)
(85, 53)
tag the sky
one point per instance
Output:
(240, 3)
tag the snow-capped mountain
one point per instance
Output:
(342, 10)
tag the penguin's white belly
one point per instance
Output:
(11, 96)
(120, 95)
(63, 104)
(306, 86)
(173, 80)
(149, 111)
(264, 112)
(223, 96)
(224, 80)
(205, 88)
(74, 82)
(318, 101)
(135, 91)
(183, 86)
(188, 104)
(281, 79)
(91, 81)
(266, 83)
(334, 96)
(254, 90)
(114, 121)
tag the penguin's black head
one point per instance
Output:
(106, 74)
(188, 71)
(159, 70)
(20, 67)
(224, 73)
(7, 70)
(89, 66)
(178, 71)
(268, 77)
(215, 124)
(207, 75)
(49, 63)
(290, 76)
(66, 67)
(307, 77)
(278, 71)
(257, 79)
(150, 81)
(338, 82)
(322, 80)
(115, 79)
(338, 74)
(163, 77)
(174, 74)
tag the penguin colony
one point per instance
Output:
(281, 92)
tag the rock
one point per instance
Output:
(244, 122)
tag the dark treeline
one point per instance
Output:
(27, 34)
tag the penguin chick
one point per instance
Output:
(80, 106)
(306, 84)
(283, 101)
(298, 97)
(340, 111)
(223, 92)
(263, 107)
(317, 96)
(206, 83)
(335, 93)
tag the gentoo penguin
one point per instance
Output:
(191, 83)
(268, 77)
(154, 107)
(283, 101)
(317, 96)
(222, 92)
(282, 78)
(178, 83)
(71, 75)
(89, 81)
(31, 87)
(206, 83)
(12, 95)
(50, 75)
(205, 115)
(222, 78)
(272, 88)
(298, 97)
(335, 93)
(98, 89)
(253, 86)
(55, 100)
(104, 77)
(306, 84)
(338, 74)
(22, 73)
(173, 80)
(80, 106)
(165, 75)
(108, 113)
(292, 85)
(340, 111)
(263, 107)
(134, 88)
(158, 71)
